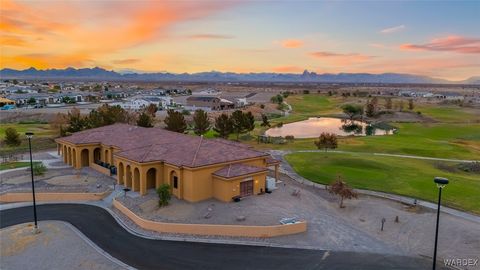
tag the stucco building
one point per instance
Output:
(195, 168)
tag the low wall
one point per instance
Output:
(213, 229)
(100, 169)
(51, 196)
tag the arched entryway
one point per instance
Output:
(121, 173)
(151, 178)
(96, 155)
(136, 179)
(175, 184)
(128, 176)
(85, 158)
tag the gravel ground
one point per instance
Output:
(56, 180)
(354, 228)
(56, 247)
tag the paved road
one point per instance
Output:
(99, 226)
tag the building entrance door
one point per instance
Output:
(246, 188)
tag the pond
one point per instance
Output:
(314, 126)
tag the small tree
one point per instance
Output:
(175, 121)
(249, 121)
(164, 195)
(370, 109)
(151, 109)
(352, 110)
(223, 126)
(31, 101)
(239, 125)
(12, 138)
(341, 189)
(265, 122)
(201, 124)
(326, 141)
(145, 120)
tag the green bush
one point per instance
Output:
(164, 195)
(39, 169)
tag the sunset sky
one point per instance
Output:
(434, 38)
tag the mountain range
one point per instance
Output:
(103, 74)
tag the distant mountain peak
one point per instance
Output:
(305, 76)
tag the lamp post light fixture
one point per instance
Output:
(29, 136)
(441, 183)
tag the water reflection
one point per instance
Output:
(312, 128)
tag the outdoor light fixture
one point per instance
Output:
(30, 136)
(441, 183)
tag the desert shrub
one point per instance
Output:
(39, 169)
(164, 195)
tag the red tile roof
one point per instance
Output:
(157, 144)
(235, 170)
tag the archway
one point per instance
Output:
(121, 173)
(151, 178)
(74, 157)
(136, 179)
(128, 177)
(96, 155)
(85, 159)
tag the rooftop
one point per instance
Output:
(235, 170)
(156, 144)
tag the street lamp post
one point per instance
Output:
(441, 183)
(29, 136)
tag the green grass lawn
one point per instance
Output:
(409, 177)
(14, 165)
(456, 134)
(42, 139)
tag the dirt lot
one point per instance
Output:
(21, 249)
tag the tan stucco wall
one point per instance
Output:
(194, 184)
(52, 196)
(224, 189)
(213, 229)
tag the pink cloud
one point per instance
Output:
(126, 61)
(292, 43)
(449, 43)
(341, 58)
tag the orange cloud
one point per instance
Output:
(450, 43)
(292, 43)
(210, 36)
(126, 61)
(340, 59)
(86, 30)
(287, 69)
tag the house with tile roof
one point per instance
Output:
(145, 158)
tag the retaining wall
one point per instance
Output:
(213, 229)
(51, 196)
